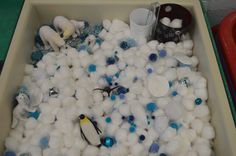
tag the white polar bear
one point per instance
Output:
(63, 25)
(78, 25)
(50, 37)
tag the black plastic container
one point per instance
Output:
(165, 33)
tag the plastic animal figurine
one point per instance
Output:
(78, 25)
(89, 130)
(107, 89)
(63, 25)
(50, 37)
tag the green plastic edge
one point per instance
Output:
(231, 103)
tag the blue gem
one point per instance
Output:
(108, 79)
(113, 97)
(110, 60)
(151, 107)
(34, 114)
(141, 137)
(122, 96)
(9, 153)
(198, 101)
(82, 47)
(174, 125)
(97, 29)
(83, 35)
(149, 70)
(174, 93)
(122, 90)
(92, 68)
(124, 45)
(152, 57)
(163, 154)
(132, 129)
(99, 41)
(108, 141)
(162, 53)
(154, 148)
(170, 83)
(43, 143)
(36, 56)
(131, 118)
(108, 120)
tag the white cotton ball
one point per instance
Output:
(202, 149)
(51, 69)
(137, 150)
(69, 140)
(190, 134)
(106, 24)
(188, 44)
(41, 65)
(12, 144)
(153, 44)
(29, 69)
(107, 106)
(55, 141)
(97, 97)
(125, 125)
(106, 45)
(162, 102)
(174, 111)
(171, 74)
(109, 37)
(201, 83)
(121, 65)
(132, 139)
(16, 134)
(35, 150)
(201, 111)
(74, 151)
(46, 118)
(152, 133)
(78, 72)
(90, 150)
(117, 26)
(30, 123)
(195, 61)
(124, 109)
(171, 62)
(68, 101)
(172, 147)
(119, 150)
(208, 132)
(170, 45)
(182, 90)
(166, 21)
(189, 117)
(111, 129)
(121, 135)
(192, 153)
(116, 118)
(176, 23)
(161, 123)
(102, 34)
(168, 134)
(197, 125)
(112, 70)
(188, 104)
(139, 113)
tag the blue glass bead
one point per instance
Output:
(124, 45)
(162, 53)
(122, 96)
(108, 142)
(9, 153)
(163, 154)
(122, 90)
(113, 97)
(131, 118)
(43, 143)
(34, 114)
(149, 70)
(117, 74)
(174, 93)
(92, 68)
(82, 47)
(86, 24)
(151, 107)
(83, 35)
(131, 42)
(154, 148)
(198, 101)
(97, 29)
(110, 60)
(174, 125)
(36, 56)
(152, 57)
(132, 129)
(108, 79)
(133, 124)
(99, 41)
(170, 83)
(141, 137)
(108, 120)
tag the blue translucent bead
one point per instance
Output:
(97, 29)
(154, 148)
(174, 125)
(122, 90)
(83, 35)
(36, 56)
(170, 83)
(122, 96)
(117, 75)
(152, 57)
(108, 120)
(141, 137)
(99, 41)
(151, 107)
(110, 60)
(174, 93)
(162, 53)
(133, 124)
(108, 79)
(149, 70)
(34, 114)
(131, 118)
(92, 68)
(108, 142)
(113, 97)
(132, 129)
(124, 45)
(198, 101)
(43, 143)
(9, 153)
(163, 154)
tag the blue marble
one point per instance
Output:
(124, 45)
(154, 148)
(198, 101)
(149, 70)
(9, 153)
(174, 93)
(132, 129)
(113, 97)
(110, 60)
(141, 137)
(108, 119)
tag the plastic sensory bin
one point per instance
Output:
(36, 12)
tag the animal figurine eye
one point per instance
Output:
(82, 116)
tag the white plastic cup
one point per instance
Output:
(141, 22)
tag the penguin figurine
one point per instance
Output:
(89, 130)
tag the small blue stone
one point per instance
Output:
(163, 154)
(131, 118)
(141, 137)
(92, 68)
(34, 114)
(124, 45)
(9, 153)
(108, 142)
(36, 56)
(122, 96)
(110, 60)
(108, 120)
(151, 107)
(154, 148)
(113, 97)
(174, 125)
(174, 93)
(44, 142)
(133, 124)
(162, 53)
(152, 57)
(132, 129)
(198, 101)
(149, 70)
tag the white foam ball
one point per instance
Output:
(16, 134)
(176, 23)
(201, 111)
(111, 129)
(121, 135)
(171, 62)
(119, 150)
(189, 117)
(168, 134)
(201, 83)
(165, 20)
(170, 44)
(170, 74)
(188, 44)
(182, 90)
(208, 132)
(197, 125)
(106, 24)
(69, 140)
(194, 60)
(132, 138)
(74, 151)
(192, 153)
(106, 45)
(90, 150)
(202, 149)
(97, 97)
(190, 134)
(161, 123)
(55, 141)
(102, 34)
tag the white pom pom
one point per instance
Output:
(124, 109)
(201, 111)
(188, 44)
(195, 61)
(11, 143)
(74, 151)
(168, 134)
(153, 44)
(201, 83)
(137, 150)
(171, 74)
(132, 139)
(188, 104)
(190, 134)
(172, 147)
(174, 111)
(202, 149)
(139, 114)
(90, 150)
(197, 125)
(161, 123)
(171, 62)
(208, 132)
(106, 45)
(165, 20)
(119, 151)
(189, 117)
(30, 123)
(192, 153)
(55, 141)
(69, 140)
(121, 135)
(102, 34)
(106, 24)
(111, 129)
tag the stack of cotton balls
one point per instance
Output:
(158, 108)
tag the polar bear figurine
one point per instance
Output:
(78, 25)
(50, 37)
(63, 25)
